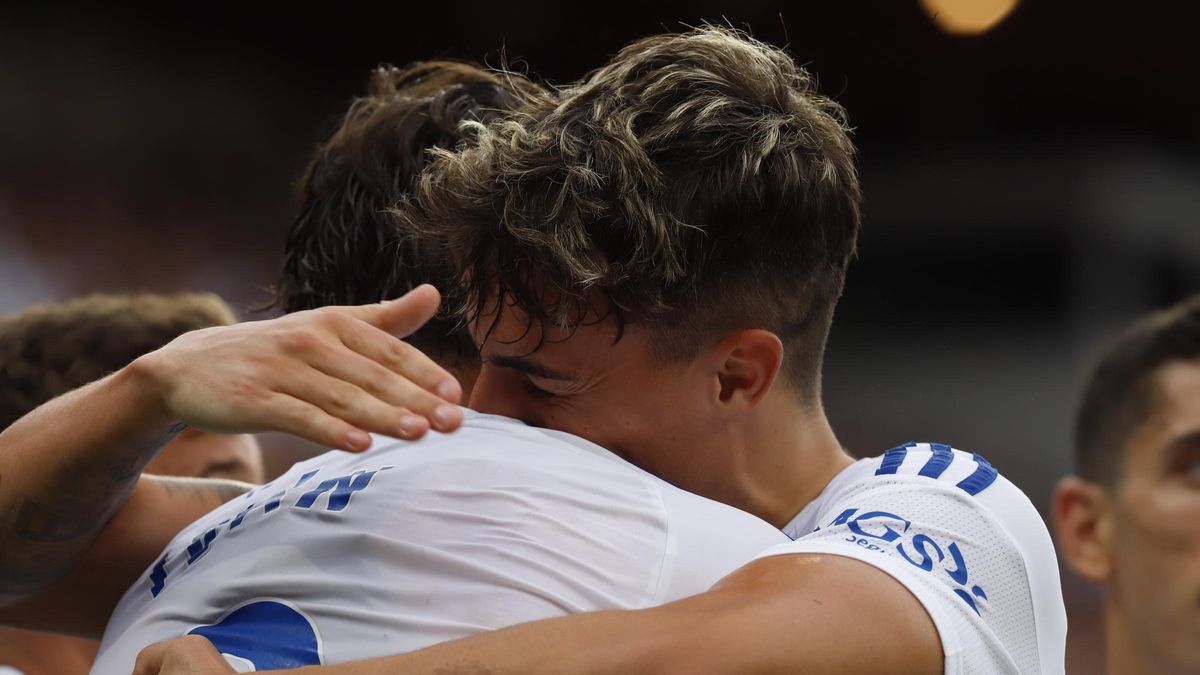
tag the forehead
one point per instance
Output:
(1177, 391)
(1173, 405)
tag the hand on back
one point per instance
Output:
(329, 375)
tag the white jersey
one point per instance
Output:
(963, 539)
(351, 556)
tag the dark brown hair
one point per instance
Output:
(698, 183)
(50, 349)
(1121, 393)
(342, 248)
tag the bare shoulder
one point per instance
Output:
(831, 614)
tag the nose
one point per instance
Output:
(502, 391)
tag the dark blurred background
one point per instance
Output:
(1030, 187)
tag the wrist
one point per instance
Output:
(145, 388)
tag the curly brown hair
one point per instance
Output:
(342, 248)
(698, 183)
(47, 350)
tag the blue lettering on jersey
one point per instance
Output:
(270, 634)
(343, 488)
(199, 545)
(340, 489)
(880, 531)
(158, 577)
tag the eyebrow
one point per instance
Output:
(524, 365)
(1185, 442)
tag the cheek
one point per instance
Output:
(1158, 545)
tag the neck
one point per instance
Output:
(787, 454)
(1125, 653)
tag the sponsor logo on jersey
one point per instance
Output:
(887, 532)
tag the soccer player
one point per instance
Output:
(703, 208)
(1130, 518)
(47, 350)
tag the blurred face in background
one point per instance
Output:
(1153, 533)
(199, 454)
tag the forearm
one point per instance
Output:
(157, 509)
(66, 468)
(776, 616)
(684, 638)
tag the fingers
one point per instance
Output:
(291, 415)
(400, 317)
(188, 655)
(401, 358)
(374, 336)
(149, 660)
(391, 388)
(354, 406)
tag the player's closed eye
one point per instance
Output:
(539, 391)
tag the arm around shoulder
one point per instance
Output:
(778, 615)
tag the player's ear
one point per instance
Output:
(1083, 523)
(746, 364)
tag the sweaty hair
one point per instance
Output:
(1121, 391)
(342, 248)
(698, 184)
(48, 350)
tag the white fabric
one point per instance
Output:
(9, 670)
(982, 564)
(496, 524)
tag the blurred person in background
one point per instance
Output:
(50, 349)
(1130, 517)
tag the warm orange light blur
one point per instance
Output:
(968, 17)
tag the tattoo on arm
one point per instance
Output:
(35, 522)
(91, 502)
(44, 533)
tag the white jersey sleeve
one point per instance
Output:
(352, 556)
(963, 539)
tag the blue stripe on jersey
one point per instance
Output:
(936, 466)
(977, 482)
(892, 459)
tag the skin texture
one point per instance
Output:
(77, 526)
(1141, 538)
